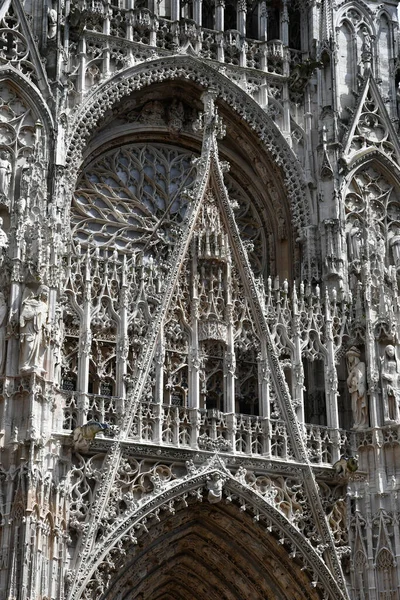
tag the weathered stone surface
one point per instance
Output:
(200, 248)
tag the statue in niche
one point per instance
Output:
(51, 23)
(356, 382)
(5, 174)
(366, 47)
(176, 115)
(152, 113)
(355, 241)
(394, 244)
(390, 385)
(34, 332)
(3, 240)
(3, 317)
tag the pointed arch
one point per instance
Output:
(371, 203)
(271, 525)
(31, 96)
(364, 14)
(229, 94)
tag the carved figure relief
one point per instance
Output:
(3, 240)
(372, 225)
(390, 385)
(34, 332)
(356, 383)
(394, 243)
(5, 174)
(215, 485)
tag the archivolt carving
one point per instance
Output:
(273, 502)
(168, 68)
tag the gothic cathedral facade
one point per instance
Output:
(199, 300)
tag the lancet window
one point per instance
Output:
(354, 40)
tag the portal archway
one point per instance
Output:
(210, 552)
(210, 527)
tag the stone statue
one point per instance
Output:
(215, 484)
(5, 173)
(356, 382)
(366, 43)
(83, 435)
(3, 317)
(395, 246)
(390, 385)
(3, 238)
(52, 23)
(33, 330)
(355, 241)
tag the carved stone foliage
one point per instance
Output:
(145, 493)
(18, 137)
(123, 195)
(14, 47)
(372, 222)
(371, 129)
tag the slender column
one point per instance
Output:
(106, 31)
(197, 11)
(123, 342)
(262, 21)
(229, 362)
(263, 383)
(285, 23)
(194, 364)
(241, 17)
(298, 365)
(331, 383)
(85, 345)
(175, 10)
(219, 15)
(159, 361)
(82, 66)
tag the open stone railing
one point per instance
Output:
(114, 38)
(212, 430)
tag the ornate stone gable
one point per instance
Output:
(371, 128)
(199, 312)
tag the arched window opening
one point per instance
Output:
(164, 8)
(230, 16)
(294, 27)
(314, 395)
(252, 20)
(187, 9)
(385, 564)
(208, 14)
(274, 20)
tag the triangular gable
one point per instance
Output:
(371, 127)
(210, 223)
(25, 57)
(383, 541)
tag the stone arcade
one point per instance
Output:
(199, 247)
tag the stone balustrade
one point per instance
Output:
(212, 430)
(114, 38)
